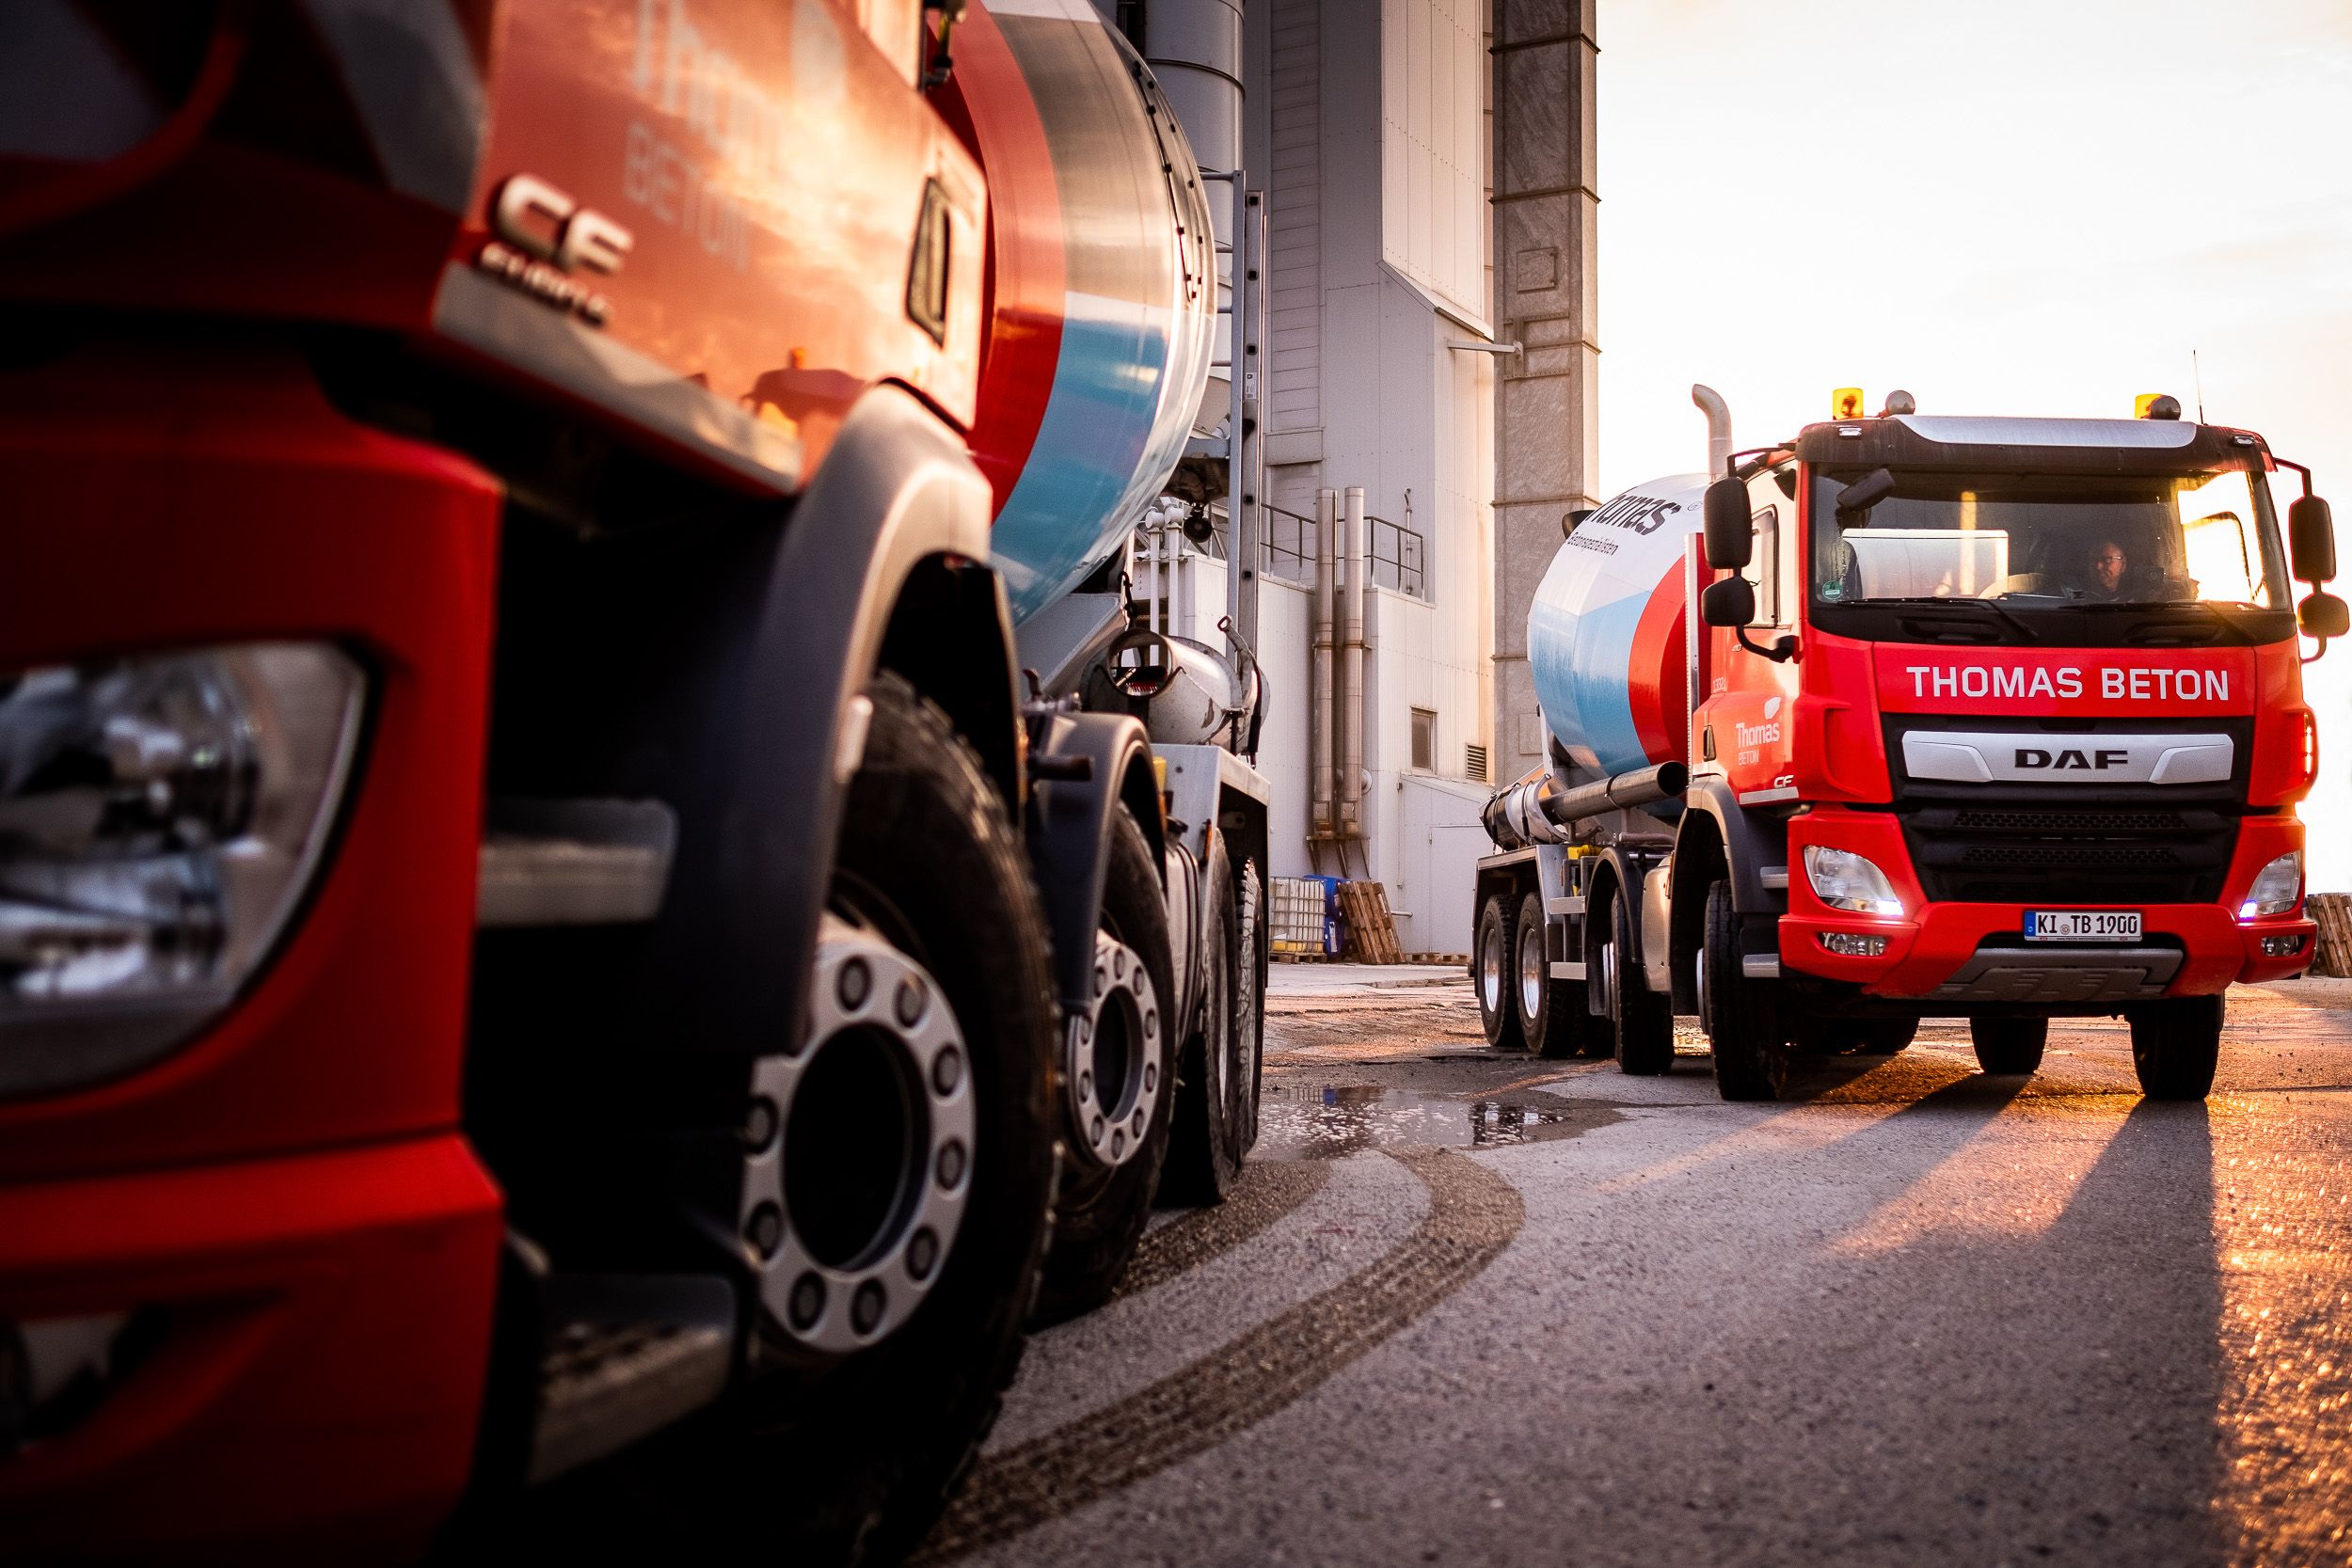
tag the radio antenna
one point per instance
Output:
(2197, 375)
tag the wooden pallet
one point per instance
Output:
(2333, 911)
(1371, 928)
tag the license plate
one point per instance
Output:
(2082, 926)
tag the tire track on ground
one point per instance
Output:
(1473, 1214)
(1267, 1191)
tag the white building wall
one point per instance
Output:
(1369, 137)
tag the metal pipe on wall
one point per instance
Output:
(1351, 696)
(1319, 763)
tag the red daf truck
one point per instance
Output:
(1998, 719)
(579, 853)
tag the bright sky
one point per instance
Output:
(2005, 208)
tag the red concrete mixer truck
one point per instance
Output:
(587, 846)
(1998, 719)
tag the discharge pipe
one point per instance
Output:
(1537, 811)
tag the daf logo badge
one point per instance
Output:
(543, 237)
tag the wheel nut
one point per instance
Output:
(808, 1302)
(766, 1229)
(1151, 1023)
(1137, 1127)
(760, 1123)
(855, 981)
(1094, 1130)
(1085, 1085)
(922, 1255)
(947, 1070)
(949, 1165)
(1151, 1076)
(865, 1307)
(1118, 1144)
(911, 1001)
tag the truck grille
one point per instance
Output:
(2069, 855)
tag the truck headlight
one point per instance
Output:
(160, 816)
(1845, 881)
(2277, 888)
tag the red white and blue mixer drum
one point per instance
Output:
(1605, 636)
(1102, 280)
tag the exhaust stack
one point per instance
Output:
(1719, 443)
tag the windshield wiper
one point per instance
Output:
(2023, 630)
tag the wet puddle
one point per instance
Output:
(1325, 1122)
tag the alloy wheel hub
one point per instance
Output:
(858, 1147)
(1111, 1059)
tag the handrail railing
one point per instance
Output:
(1399, 554)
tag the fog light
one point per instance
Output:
(1851, 945)
(160, 816)
(2281, 947)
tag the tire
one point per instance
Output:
(1249, 1001)
(2010, 1047)
(1552, 1014)
(1639, 1021)
(850, 1460)
(1867, 1037)
(2177, 1045)
(1099, 1215)
(1742, 1016)
(1496, 953)
(1209, 1139)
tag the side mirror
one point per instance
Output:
(2322, 615)
(1730, 602)
(1729, 536)
(2311, 541)
(1571, 521)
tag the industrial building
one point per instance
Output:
(1421, 355)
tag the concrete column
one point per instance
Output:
(1547, 297)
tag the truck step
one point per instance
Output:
(574, 862)
(624, 1357)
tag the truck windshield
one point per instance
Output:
(2029, 542)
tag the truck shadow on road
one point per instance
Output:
(2041, 1347)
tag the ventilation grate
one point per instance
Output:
(1475, 762)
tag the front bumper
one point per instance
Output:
(1952, 954)
(313, 1384)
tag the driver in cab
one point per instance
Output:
(2108, 566)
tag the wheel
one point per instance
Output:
(1495, 954)
(1118, 1073)
(1640, 1021)
(1205, 1148)
(2009, 1047)
(832, 1456)
(2176, 1044)
(1552, 1014)
(1867, 1037)
(1742, 1016)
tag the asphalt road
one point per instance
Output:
(1477, 1308)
